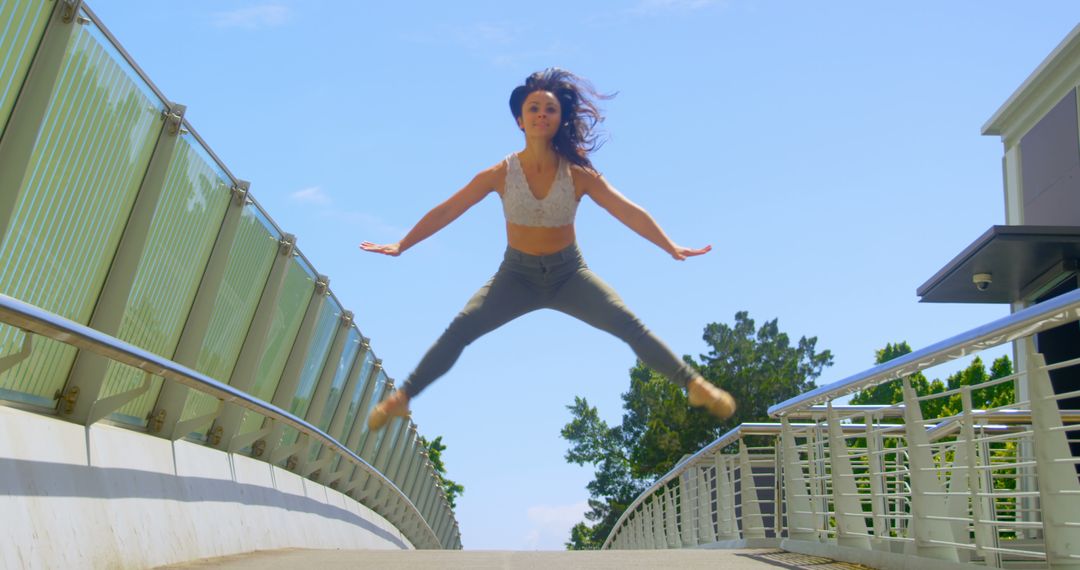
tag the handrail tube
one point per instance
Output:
(38, 321)
(1040, 317)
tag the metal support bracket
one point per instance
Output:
(174, 119)
(11, 360)
(282, 453)
(322, 285)
(314, 466)
(359, 478)
(105, 406)
(287, 244)
(71, 10)
(187, 426)
(240, 192)
(335, 477)
(241, 441)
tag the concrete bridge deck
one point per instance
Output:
(748, 559)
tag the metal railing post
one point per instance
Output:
(800, 507)
(706, 532)
(753, 523)
(413, 484)
(359, 425)
(341, 411)
(404, 439)
(726, 522)
(393, 469)
(670, 519)
(246, 369)
(323, 386)
(28, 114)
(982, 506)
(879, 507)
(173, 396)
(850, 521)
(685, 516)
(87, 375)
(1059, 489)
(407, 457)
(656, 517)
(928, 511)
(639, 533)
(302, 345)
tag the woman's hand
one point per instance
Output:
(680, 253)
(391, 249)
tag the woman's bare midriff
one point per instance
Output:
(539, 240)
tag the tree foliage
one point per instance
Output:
(759, 366)
(452, 489)
(974, 374)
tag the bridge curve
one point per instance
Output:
(175, 375)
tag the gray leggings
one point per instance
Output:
(559, 281)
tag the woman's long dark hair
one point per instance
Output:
(577, 135)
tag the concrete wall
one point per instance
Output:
(108, 497)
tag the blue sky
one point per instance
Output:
(830, 152)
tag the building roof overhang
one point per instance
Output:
(1022, 262)
(1051, 81)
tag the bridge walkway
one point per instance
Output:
(689, 559)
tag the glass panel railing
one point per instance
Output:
(320, 346)
(193, 201)
(250, 259)
(88, 160)
(348, 357)
(22, 23)
(288, 314)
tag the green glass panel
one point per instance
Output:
(288, 314)
(250, 259)
(88, 159)
(194, 197)
(22, 24)
(329, 319)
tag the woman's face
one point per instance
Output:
(540, 115)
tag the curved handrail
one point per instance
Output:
(41, 322)
(750, 428)
(718, 444)
(1031, 320)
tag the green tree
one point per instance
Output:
(759, 366)
(974, 374)
(435, 448)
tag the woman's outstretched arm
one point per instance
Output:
(440, 216)
(633, 216)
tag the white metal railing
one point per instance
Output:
(395, 506)
(995, 487)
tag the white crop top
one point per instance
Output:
(522, 208)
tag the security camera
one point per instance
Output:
(982, 281)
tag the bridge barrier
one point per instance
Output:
(117, 217)
(933, 481)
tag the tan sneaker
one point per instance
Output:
(396, 405)
(702, 394)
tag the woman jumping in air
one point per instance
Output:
(540, 188)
